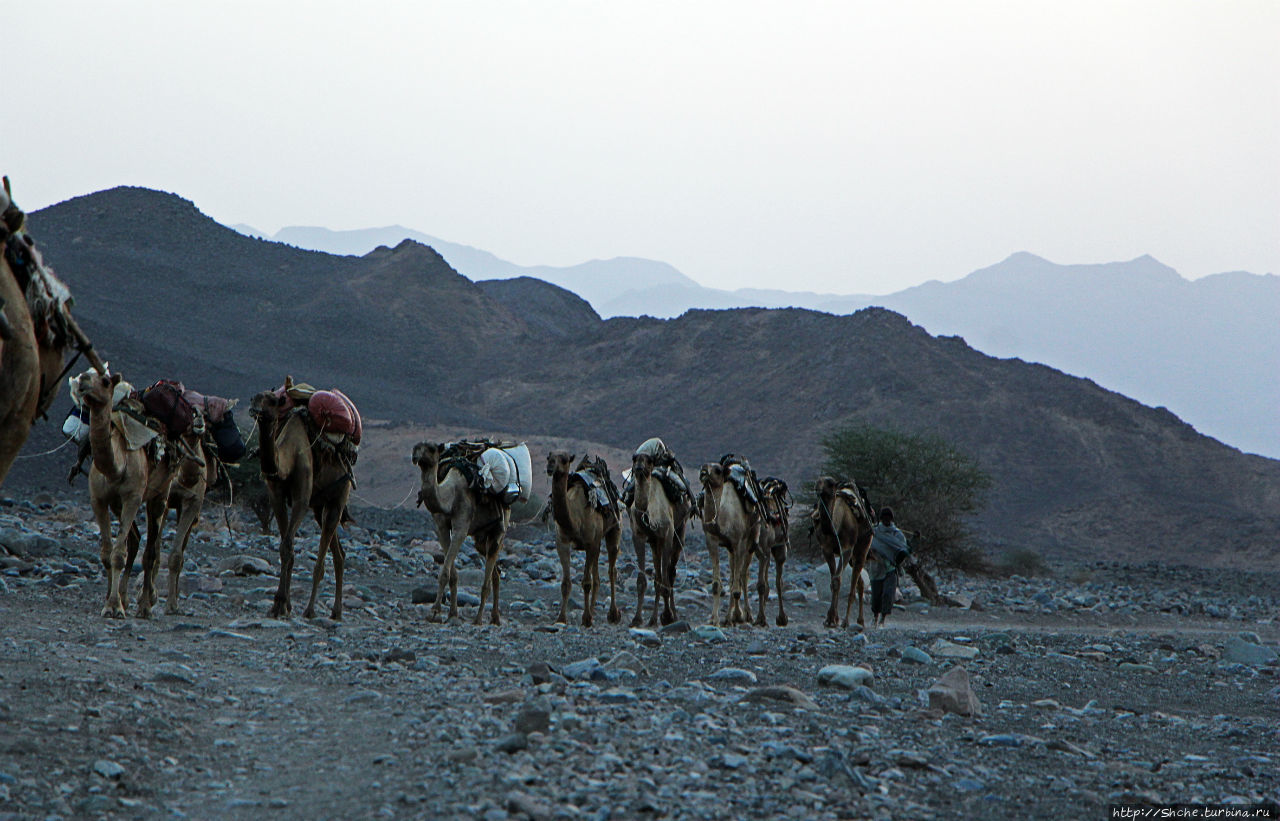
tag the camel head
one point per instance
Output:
(826, 487)
(265, 404)
(712, 476)
(641, 466)
(559, 463)
(426, 455)
(95, 389)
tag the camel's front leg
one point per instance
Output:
(281, 606)
(327, 518)
(762, 588)
(713, 549)
(156, 509)
(638, 542)
(106, 551)
(490, 548)
(837, 570)
(855, 587)
(566, 583)
(117, 574)
(188, 512)
(779, 559)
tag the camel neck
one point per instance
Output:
(560, 500)
(100, 441)
(267, 426)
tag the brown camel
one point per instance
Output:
(732, 523)
(775, 544)
(843, 526)
(458, 512)
(301, 473)
(120, 482)
(31, 348)
(197, 471)
(658, 523)
(580, 525)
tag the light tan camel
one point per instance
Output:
(300, 474)
(733, 524)
(197, 471)
(30, 362)
(843, 527)
(658, 524)
(580, 525)
(120, 482)
(774, 543)
(458, 512)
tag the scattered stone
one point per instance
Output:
(504, 697)
(844, 676)
(1011, 740)
(174, 673)
(953, 694)
(675, 628)
(588, 669)
(709, 632)
(950, 650)
(648, 638)
(246, 566)
(618, 695)
(779, 693)
(916, 656)
(512, 743)
(108, 769)
(533, 718)
(1135, 667)
(733, 675)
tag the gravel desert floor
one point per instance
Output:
(1096, 685)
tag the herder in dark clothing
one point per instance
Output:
(889, 549)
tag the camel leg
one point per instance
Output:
(106, 550)
(713, 548)
(855, 586)
(117, 574)
(281, 606)
(188, 512)
(327, 518)
(659, 580)
(611, 549)
(490, 547)
(741, 564)
(780, 558)
(131, 556)
(339, 554)
(641, 582)
(762, 588)
(156, 510)
(837, 570)
(566, 583)
(496, 581)
(455, 531)
(590, 584)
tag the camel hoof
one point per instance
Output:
(615, 616)
(782, 619)
(110, 612)
(587, 621)
(336, 615)
(496, 621)
(636, 622)
(309, 613)
(144, 612)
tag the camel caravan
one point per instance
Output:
(163, 447)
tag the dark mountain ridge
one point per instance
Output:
(165, 291)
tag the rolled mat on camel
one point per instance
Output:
(333, 412)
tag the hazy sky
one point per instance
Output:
(844, 146)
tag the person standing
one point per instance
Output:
(889, 549)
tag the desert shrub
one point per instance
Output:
(1021, 562)
(931, 484)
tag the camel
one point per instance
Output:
(31, 348)
(301, 474)
(658, 523)
(196, 472)
(774, 543)
(580, 525)
(733, 524)
(843, 526)
(460, 511)
(120, 482)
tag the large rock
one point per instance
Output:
(953, 694)
(1240, 651)
(950, 650)
(844, 676)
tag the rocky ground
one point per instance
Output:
(1098, 684)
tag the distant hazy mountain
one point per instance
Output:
(1209, 349)
(597, 281)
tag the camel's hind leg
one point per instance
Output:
(281, 605)
(156, 510)
(328, 518)
(611, 540)
(590, 584)
(491, 546)
(762, 588)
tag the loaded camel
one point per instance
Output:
(658, 523)
(774, 543)
(734, 524)
(460, 511)
(581, 525)
(843, 527)
(35, 332)
(120, 482)
(196, 472)
(300, 474)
